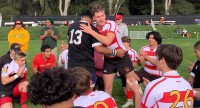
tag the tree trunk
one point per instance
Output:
(110, 2)
(152, 7)
(167, 6)
(66, 6)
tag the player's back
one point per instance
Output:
(93, 99)
(81, 47)
(168, 92)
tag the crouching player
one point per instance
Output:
(169, 91)
(14, 82)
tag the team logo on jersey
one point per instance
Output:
(5, 68)
(127, 69)
(105, 71)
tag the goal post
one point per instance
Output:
(138, 34)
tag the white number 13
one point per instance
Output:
(76, 41)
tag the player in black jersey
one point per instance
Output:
(82, 45)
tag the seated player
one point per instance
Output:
(169, 91)
(52, 88)
(132, 54)
(14, 81)
(194, 77)
(63, 57)
(88, 98)
(43, 60)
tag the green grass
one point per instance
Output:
(167, 32)
(185, 43)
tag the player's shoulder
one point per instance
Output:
(110, 22)
(145, 47)
(132, 50)
(155, 83)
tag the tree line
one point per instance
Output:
(75, 7)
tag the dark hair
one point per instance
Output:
(97, 8)
(87, 13)
(16, 24)
(171, 53)
(126, 39)
(82, 78)
(44, 47)
(197, 45)
(51, 86)
(156, 35)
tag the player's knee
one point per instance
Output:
(23, 85)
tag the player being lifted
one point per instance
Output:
(110, 37)
(82, 46)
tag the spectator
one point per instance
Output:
(194, 77)
(133, 55)
(184, 32)
(19, 35)
(111, 38)
(14, 81)
(162, 20)
(178, 31)
(147, 56)
(88, 98)
(53, 88)
(122, 27)
(43, 60)
(178, 92)
(63, 56)
(82, 46)
(50, 35)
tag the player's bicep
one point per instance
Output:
(110, 36)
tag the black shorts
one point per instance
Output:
(123, 65)
(142, 73)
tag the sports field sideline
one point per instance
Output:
(185, 43)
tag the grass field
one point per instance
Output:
(185, 43)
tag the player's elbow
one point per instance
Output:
(4, 82)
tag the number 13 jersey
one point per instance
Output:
(81, 47)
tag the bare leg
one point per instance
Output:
(108, 82)
(6, 105)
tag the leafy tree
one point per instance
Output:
(182, 7)
(7, 12)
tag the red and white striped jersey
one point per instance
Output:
(95, 99)
(132, 54)
(110, 26)
(148, 67)
(11, 69)
(169, 91)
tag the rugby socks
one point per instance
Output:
(129, 95)
(23, 97)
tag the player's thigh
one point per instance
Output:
(124, 65)
(6, 102)
(108, 79)
(23, 85)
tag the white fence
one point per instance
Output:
(138, 34)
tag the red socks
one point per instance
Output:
(23, 97)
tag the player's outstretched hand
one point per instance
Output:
(120, 53)
(86, 28)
